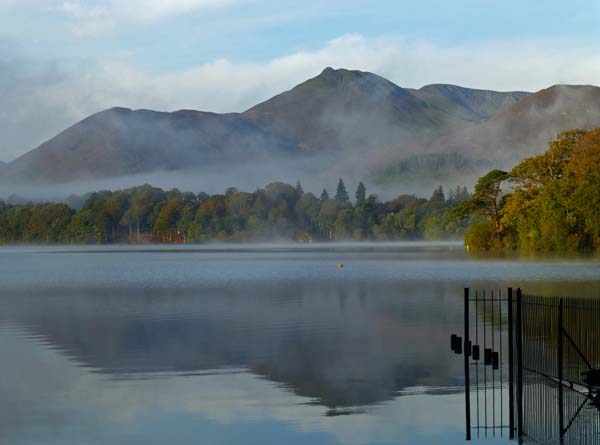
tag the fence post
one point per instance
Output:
(511, 370)
(467, 372)
(561, 414)
(519, 365)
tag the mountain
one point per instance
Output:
(353, 120)
(360, 110)
(475, 105)
(119, 142)
(525, 128)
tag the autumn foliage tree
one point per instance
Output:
(552, 201)
(485, 203)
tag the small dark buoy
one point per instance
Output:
(340, 266)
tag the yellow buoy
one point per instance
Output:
(340, 265)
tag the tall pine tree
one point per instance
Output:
(341, 194)
(361, 195)
(299, 188)
(324, 195)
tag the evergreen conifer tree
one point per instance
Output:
(361, 195)
(341, 194)
(324, 195)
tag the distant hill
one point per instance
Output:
(119, 142)
(440, 167)
(357, 110)
(338, 123)
(525, 128)
(338, 113)
(475, 105)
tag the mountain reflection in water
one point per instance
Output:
(240, 346)
(341, 345)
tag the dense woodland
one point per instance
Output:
(278, 211)
(549, 202)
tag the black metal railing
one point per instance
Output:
(532, 367)
(561, 360)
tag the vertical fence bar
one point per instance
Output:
(477, 361)
(485, 366)
(519, 366)
(501, 363)
(492, 368)
(511, 370)
(561, 411)
(467, 373)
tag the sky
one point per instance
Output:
(61, 61)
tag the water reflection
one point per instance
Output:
(325, 342)
(238, 347)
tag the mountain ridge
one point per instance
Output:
(337, 111)
(333, 93)
(526, 128)
(339, 121)
(120, 141)
(471, 98)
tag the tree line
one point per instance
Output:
(548, 202)
(278, 211)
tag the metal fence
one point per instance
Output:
(560, 361)
(532, 367)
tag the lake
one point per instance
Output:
(255, 344)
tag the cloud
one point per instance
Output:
(42, 98)
(91, 17)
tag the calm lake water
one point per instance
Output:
(245, 345)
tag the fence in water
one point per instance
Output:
(532, 367)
